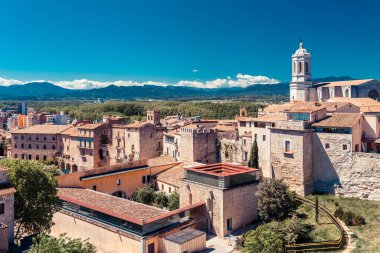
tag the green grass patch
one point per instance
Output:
(369, 233)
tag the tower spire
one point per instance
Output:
(301, 44)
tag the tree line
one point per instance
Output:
(136, 110)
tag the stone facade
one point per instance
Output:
(36, 143)
(196, 142)
(294, 166)
(343, 172)
(238, 204)
(143, 141)
(85, 146)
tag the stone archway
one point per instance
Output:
(120, 194)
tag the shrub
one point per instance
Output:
(63, 244)
(275, 200)
(263, 240)
(145, 195)
(270, 237)
(161, 200)
(349, 218)
(173, 201)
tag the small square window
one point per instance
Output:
(118, 182)
(2, 208)
(94, 187)
(345, 147)
(327, 145)
(143, 180)
(264, 137)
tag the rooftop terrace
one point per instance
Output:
(221, 175)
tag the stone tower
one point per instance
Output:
(153, 116)
(301, 75)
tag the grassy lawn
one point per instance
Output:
(324, 230)
(369, 234)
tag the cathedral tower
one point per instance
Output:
(301, 75)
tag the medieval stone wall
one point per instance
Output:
(294, 166)
(343, 172)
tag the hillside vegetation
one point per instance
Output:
(136, 110)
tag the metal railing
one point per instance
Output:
(319, 246)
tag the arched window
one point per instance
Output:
(347, 93)
(306, 67)
(300, 67)
(294, 67)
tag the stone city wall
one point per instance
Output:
(343, 172)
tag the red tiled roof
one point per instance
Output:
(172, 176)
(137, 124)
(222, 169)
(111, 205)
(90, 126)
(6, 191)
(339, 120)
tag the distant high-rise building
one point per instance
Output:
(22, 107)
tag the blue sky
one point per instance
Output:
(166, 41)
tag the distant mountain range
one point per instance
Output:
(48, 91)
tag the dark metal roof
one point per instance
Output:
(112, 172)
(184, 235)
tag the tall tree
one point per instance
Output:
(173, 201)
(35, 199)
(254, 157)
(63, 244)
(275, 200)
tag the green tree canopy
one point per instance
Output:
(275, 200)
(161, 200)
(263, 240)
(35, 199)
(272, 236)
(173, 201)
(44, 244)
(145, 195)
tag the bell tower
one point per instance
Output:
(301, 75)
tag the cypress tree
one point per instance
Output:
(254, 157)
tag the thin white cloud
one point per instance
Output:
(195, 70)
(240, 80)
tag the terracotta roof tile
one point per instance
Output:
(91, 126)
(273, 117)
(172, 176)
(111, 205)
(222, 169)
(43, 129)
(161, 160)
(137, 124)
(5, 190)
(355, 101)
(346, 120)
